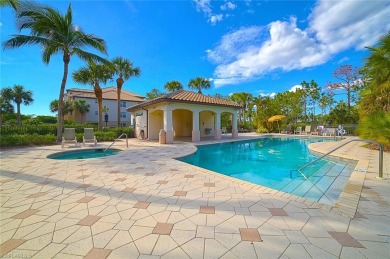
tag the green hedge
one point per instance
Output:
(27, 140)
(38, 135)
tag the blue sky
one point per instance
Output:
(260, 47)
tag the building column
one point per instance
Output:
(195, 126)
(234, 125)
(168, 124)
(217, 131)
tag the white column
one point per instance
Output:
(217, 131)
(168, 124)
(195, 126)
(234, 125)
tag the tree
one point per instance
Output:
(18, 95)
(55, 33)
(173, 86)
(199, 83)
(82, 107)
(341, 114)
(13, 3)
(5, 107)
(326, 101)
(311, 93)
(66, 108)
(94, 74)
(153, 94)
(351, 81)
(244, 99)
(124, 69)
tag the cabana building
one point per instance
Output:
(183, 114)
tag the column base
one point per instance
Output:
(234, 133)
(195, 136)
(217, 134)
(169, 137)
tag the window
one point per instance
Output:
(96, 113)
(123, 115)
(123, 124)
(123, 104)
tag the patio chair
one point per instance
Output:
(89, 136)
(330, 132)
(287, 130)
(223, 130)
(298, 130)
(69, 136)
(307, 130)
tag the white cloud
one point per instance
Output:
(205, 7)
(294, 88)
(343, 60)
(215, 18)
(334, 26)
(228, 6)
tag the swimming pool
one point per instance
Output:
(83, 154)
(269, 162)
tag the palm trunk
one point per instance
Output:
(66, 59)
(18, 114)
(119, 83)
(99, 95)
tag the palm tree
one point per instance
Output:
(244, 99)
(82, 107)
(124, 69)
(18, 95)
(94, 74)
(173, 86)
(199, 83)
(66, 108)
(13, 3)
(55, 33)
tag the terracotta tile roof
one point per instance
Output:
(108, 93)
(187, 97)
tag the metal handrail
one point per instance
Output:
(127, 141)
(362, 140)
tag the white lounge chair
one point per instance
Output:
(223, 130)
(298, 130)
(307, 130)
(89, 136)
(69, 136)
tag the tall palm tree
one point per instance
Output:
(55, 33)
(18, 95)
(13, 3)
(124, 69)
(199, 83)
(66, 108)
(244, 99)
(173, 86)
(94, 74)
(82, 107)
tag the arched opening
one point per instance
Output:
(226, 123)
(182, 123)
(207, 123)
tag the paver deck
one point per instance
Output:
(143, 203)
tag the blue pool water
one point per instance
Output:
(83, 154)
(269, 161)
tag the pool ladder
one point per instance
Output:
(362, 140)
(123, 134)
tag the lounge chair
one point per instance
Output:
(89, 136)
(298, 130)
(69, 136)
(223, 130)
(307, 130)
(330, 132)
(287, 130)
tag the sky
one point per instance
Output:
(259, 47)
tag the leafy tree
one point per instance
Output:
(243, 99)
(326, 101)
(311, 93)
(351, 81)
(124, 69)
(199, 83)
(82, 107)
(5, 107)
(55, 33)
(173, 86)
(94, 74)
(341, 114)
(66, 108)
(153, 94)
(18, 95)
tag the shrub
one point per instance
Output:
(26, 140)
(376, 127)
(261, 129)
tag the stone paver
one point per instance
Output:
(142, 203)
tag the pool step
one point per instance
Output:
(324, 182)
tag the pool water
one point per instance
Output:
(269, 162)
(83, 154)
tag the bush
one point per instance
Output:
(376, 127)
(26, 140)
(261, 129)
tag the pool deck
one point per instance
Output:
(142, 203)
